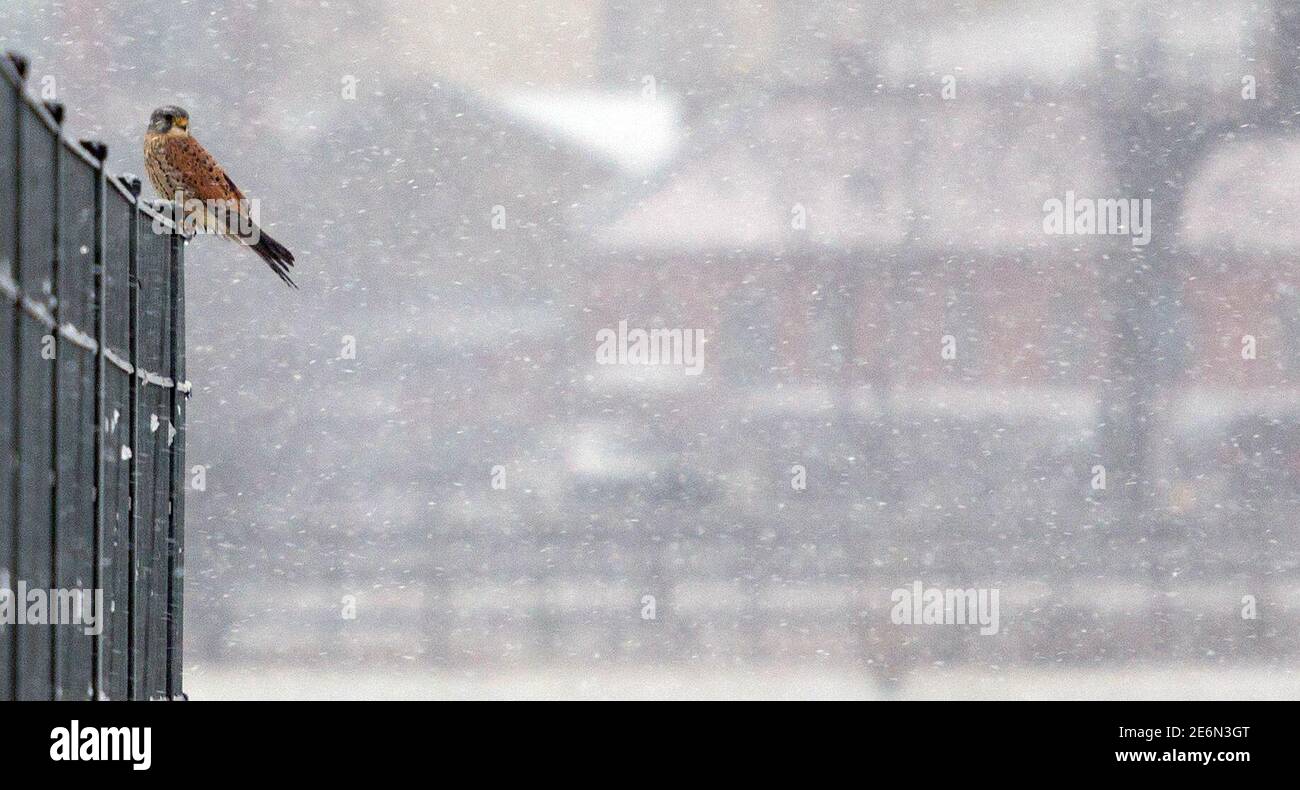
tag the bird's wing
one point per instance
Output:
(203, 177)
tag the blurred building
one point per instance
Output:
(793, 182)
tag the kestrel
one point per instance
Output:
(181, 168)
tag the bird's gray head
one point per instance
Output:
(165, 119)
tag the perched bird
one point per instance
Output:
(181, 168)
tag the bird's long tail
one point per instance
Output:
(276, 255)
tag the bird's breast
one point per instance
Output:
(166, 178)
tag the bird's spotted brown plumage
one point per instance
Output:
(181, 169)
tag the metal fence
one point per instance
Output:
(92, 397)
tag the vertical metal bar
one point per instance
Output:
(117, 469)
(176, 497)
(56, 636)
(100, 152)
(17, 357)
(15, 391)
(133, 349)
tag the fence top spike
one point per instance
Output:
(55, 109)
(20, 63)
(95, 148)
(132, 183)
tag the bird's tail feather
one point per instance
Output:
(276, 255)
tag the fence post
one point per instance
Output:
(99, 151)
(134, 672)
(176, 444)
(56, 641)
(15, 515)
(9, 320)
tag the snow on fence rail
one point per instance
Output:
(92, 396)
